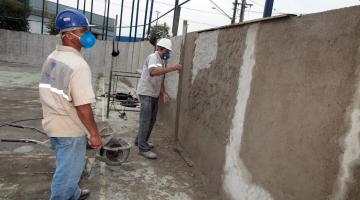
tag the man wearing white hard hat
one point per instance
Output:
(150, 88)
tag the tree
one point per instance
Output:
(15, 16)
(51, 26)
(157, 32)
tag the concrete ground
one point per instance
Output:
(26, 169)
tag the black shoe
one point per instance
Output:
(84, 194)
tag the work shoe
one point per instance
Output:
(150, 145)
(148, 154)
(84, 194)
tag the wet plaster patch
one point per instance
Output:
(237, 179)
(351, 147)
(205, 52)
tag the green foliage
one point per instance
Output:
(15, 16)
(51, 26)
(157, 32)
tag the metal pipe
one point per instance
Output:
(91, 12)
(121, 15)
(42, 17)
(3, 14)
(77, 5)
(57, 7)
(146, 10)
(151, 10)
(132, 13)
(103, 25)
(107, 20)
(136, 20)
(268, 8)
(84, 7)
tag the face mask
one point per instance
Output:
(87, 40)
(166, 56)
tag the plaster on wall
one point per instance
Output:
(237, 180)
(205, 52)
(351, 156)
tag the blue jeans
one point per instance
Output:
(148, 112)
(70, 160)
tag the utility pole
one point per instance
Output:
(176, 18)
(234, 13)
(157, 16)
(242, 9)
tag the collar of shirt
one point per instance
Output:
(67, 48)
(159, 58)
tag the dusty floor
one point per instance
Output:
(26, 169)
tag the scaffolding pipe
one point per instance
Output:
(268, 8)
(57, 7)
(151, 10)
(91, 12)
(121, 16)
(136, 20)
(103, 25)
(42, 17)
(146, 10)
(107, 20)
(84, 7)
(131, 20)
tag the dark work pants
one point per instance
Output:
(148, 112)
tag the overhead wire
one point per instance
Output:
(220, 9)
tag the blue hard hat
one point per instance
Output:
(71, 18)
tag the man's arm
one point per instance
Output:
(158, 71)
(87, 118)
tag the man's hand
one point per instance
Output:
(95, 142)
(166, 98)
(177, 66)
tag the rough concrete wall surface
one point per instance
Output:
(272, 113)
(207, 100)
(237, 179)
(297, 106)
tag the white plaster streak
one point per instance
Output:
(102, 193)
(351, 146)
(237, 179)
(205, 52)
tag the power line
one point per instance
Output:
(220, 8)
(274, 9)
(204, 11)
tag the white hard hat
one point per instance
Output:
(164, 42)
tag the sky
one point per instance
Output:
(203, 14)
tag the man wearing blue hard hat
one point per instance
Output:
(66, 95)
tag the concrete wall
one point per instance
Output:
(29, 48)
(269, 109)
